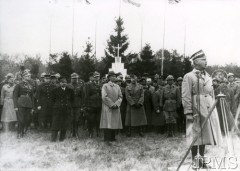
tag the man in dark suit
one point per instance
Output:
(62, 100)
(44, 102)
(93, 102)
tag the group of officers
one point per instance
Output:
(115, 103)
(147, 104)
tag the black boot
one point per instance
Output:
(128, 132)
(54, 136)
(62, 135)
(169, 129)
(140, 131)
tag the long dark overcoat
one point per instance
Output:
(62, 101)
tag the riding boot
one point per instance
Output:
(140, 131)
(129, 131)
(169, 130)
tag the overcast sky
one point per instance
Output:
(211, 25)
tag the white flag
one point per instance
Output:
(132, 2)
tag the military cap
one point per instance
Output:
(57, 75)
(96, 74)
(127, 77)
(9, 75)
(54, 76)
(42, 75)
(91, 74)
(111, 73)
(230, 74)
(74, 75)
(170, 77)
(47, 75)
(179, 79)
(198, 55)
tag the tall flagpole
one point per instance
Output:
(164, 18)
(73, 17)
(50, 32)
(184, 46)
(96, 39)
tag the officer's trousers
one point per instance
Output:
(24, 118)
(76, 116)
(93, 119)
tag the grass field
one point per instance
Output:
(36, 152)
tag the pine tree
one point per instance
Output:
(111, 51)
(65, 65)
(86, 63)
(148, 63)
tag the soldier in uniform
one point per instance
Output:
(42, 77)
(77, 106)
(197, 99)
(158, 119)
(93, 103)
(44, 102)
(54, 80)
(170, 102)
(148, 103)
(156, 80)
(234, 86)
(231, 84)
(23, 102)
(181, 122)
(135, 116)
(62, 100)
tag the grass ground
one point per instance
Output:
(36, 152)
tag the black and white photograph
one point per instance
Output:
(119, 85)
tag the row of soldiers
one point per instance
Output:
(159, 102)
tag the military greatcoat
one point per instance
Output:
(44, 99)
(62, 101)
(211, 133)
(135, 116)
